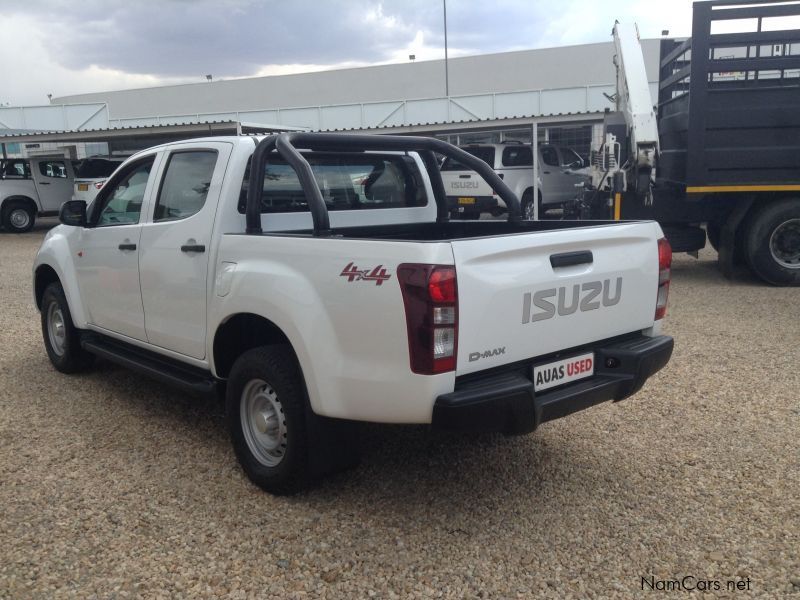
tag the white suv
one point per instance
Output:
(560, 171)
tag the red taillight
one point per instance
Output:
(98, 185)
(664, 275)
(430, 296)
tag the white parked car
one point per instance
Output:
(317, 288)
(91, 174)
(561, 172)
(31, 187)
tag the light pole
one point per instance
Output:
(446, 73)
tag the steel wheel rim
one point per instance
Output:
(784, 244)
(529, 211)
(20, 218)
(56, 328)
(263, 422)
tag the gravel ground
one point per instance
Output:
(115, 486)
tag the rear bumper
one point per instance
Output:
(507, 402)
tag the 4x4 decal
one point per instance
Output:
(353, 273)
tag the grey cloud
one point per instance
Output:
(231, 38)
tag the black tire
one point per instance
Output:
(276, 461)
(772, 243)
(64, 348)
(18, 216)
(526, 204)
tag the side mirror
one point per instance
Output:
(73, 212)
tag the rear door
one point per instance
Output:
(53, 177)
(176, 243)
(511, 297)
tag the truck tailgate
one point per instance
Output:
(515, 302)
(465, 184)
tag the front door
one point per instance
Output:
(107, 260)
(176, 243)
(54, 181)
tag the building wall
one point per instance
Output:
(548, 68)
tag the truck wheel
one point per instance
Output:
(772, 243)
(18, 217)
(527, 206)
(265, 411)
(62, 339)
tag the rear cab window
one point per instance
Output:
(347, 182)
(517, 156)
(96, 168)
(485, 153)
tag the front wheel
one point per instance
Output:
(265, 407)
(61, 337)
(772, 244)
(18, 217)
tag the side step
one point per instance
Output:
(156, 366)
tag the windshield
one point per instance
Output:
(485, 153)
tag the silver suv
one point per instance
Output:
(560, 171)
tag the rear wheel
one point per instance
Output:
(18, 216)
(265, 408)
(528, 206)
(61, 337)
(772, 242)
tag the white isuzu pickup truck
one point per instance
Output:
(316, 280)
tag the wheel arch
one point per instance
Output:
(241, 332)
(19, 198)
(43, 277)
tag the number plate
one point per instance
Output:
(466, 200)
(83, 187)
(563, 371)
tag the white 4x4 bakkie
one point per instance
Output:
(315, 280)
(561, 172)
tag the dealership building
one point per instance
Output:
(485, 98)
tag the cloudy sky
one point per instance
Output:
(65, 47)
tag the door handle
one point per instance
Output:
(546, 172)
(44, 183)
(127, 246)
(569, 259)
(193, 248)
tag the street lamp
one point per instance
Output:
(446, 73)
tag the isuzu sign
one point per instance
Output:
(566, 300)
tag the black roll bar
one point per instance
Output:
(287, 144)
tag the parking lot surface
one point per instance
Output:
(115, 486)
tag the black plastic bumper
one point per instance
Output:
(507, 402)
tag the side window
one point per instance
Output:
(16, 169)
(53, 168)
(185, 184)
(549, 156)
(517, 156)
(122, 202)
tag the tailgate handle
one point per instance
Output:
(465, 176)
(569, 259)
